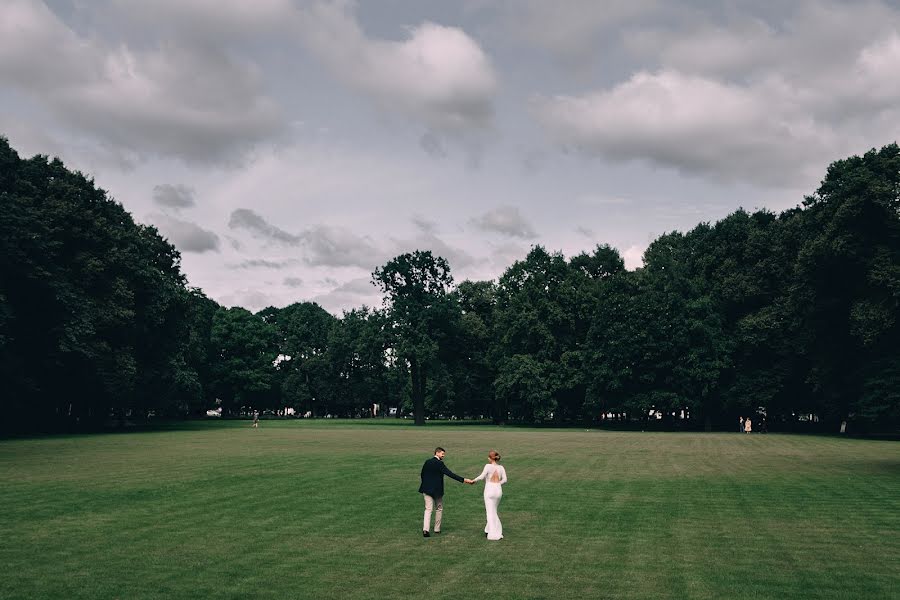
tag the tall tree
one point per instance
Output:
(358, 368)
(847, 288)
(303, 331)
(420, 313)
(473, 369)
(535, 319)
(246, 350)
(91, 304)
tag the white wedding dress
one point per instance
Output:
(494, 477)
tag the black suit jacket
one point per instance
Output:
(433, 472)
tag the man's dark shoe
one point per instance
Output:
(426, 534)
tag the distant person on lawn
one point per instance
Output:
(256, 419)
(748, 425)
(432, 489)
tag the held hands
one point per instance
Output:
(469, 481)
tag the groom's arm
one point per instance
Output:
(451, 474)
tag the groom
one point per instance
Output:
(432, 489)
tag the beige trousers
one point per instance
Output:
(436, 505)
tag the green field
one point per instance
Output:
(302, 509)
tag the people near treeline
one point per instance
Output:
(741, 424)
(475, 339)
(256, 419)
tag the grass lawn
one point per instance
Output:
(300, 509)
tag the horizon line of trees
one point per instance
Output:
(759, 314)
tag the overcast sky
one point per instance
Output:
(288, 148)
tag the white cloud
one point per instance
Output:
(760, 134)
(804, 42)
(438, 75)
(633, 256)
(765, 94)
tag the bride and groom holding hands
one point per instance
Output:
(432, 489)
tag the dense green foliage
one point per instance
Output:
(294, 510)
(780, 317)
(93, 307)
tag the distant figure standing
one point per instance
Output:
(256, 419)
(740, 424)
(432, 489)
(748, 426)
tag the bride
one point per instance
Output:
(495, 476)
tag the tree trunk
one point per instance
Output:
(418, 391)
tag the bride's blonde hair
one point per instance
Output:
(494, 455)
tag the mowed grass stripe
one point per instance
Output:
(330, 510)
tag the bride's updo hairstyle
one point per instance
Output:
(494, 455)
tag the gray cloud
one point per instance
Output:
(765, 94)
(800, 40)
(505, 254)
(423, 224)
(457, 257)
(325, 245)
(211, 20)
(244, 218)
(251, 299)
(337, 247)
(432, 145)
(174, 196)
(572, 29)
(184, 235)
(142, 101)
(293, 282)
(349, 295)
(264, 263)
(361, 286)
(506, 220)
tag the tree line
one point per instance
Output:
(782, 316)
